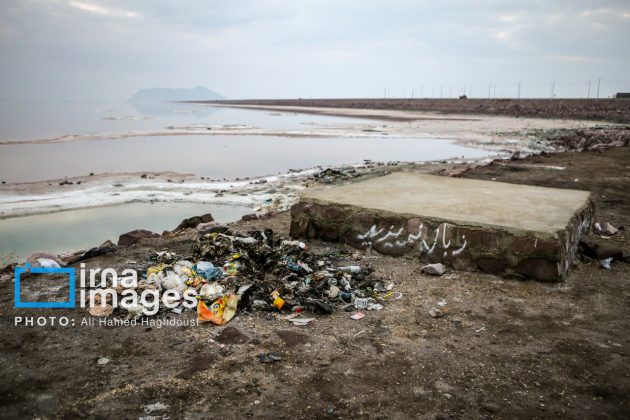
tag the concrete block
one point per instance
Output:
(505, 229)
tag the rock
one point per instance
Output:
(101, 311)
(34, 257)
(232, 335)
(436, 313)
(130, 238)
(158, 406)
(605, 228)
(211, 227)
(594, 247)
(193, 222)
(249, 217)
(434, 269)
(102, 361)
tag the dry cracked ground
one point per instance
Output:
(504, 349)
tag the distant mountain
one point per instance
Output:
(198, 93)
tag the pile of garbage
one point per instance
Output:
(264, 272)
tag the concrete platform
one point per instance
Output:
(500, 228)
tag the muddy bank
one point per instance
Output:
(614, 110)
(504, 348)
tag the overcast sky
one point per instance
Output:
(93, 50)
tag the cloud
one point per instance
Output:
(310, 48)
(101, 10)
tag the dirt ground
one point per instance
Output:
(505, 349)
(614, 110)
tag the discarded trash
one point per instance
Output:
(268, 358)
(301, 321)
(605, 263)
(257, 271)
(434, 269)
(220, 312)
(208, 270)
(358, 315)
(436, 313)
(352, 269)
(102, 361)
(441, 303)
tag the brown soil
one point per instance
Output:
(615, 110)
(505, 349)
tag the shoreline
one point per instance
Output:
(498, 136)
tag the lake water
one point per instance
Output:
(217, 157)
(86, 228)
(213, 156)
(42, 120)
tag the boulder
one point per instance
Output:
(130, 238)
(193, 222)
(434, 269)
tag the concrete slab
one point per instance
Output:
(469, 224)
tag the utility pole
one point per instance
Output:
(599, 81)
(384, 93)
(489, 86)
(494, 89)
(441, 91)
(421, 91)
(518, 95)
(588, 95)
(552, 91)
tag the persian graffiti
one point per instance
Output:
(394, 239)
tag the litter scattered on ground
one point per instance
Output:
(358, 315)
(102, 361)
(258, 271)
(434, 269)
(605, 263)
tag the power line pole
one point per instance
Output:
(518, 95)
(489, 87)
(599, 81)
(588, 95)
(441, 91)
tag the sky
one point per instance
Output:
(107, 50)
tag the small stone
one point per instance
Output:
(434, 269)
(102, 361)
(436, 313)
(101, 311)
(606, 228)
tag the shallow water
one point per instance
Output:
(43, 120)
(86, 228)
(216, 157)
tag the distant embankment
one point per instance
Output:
(613, 110)
(198, 93)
